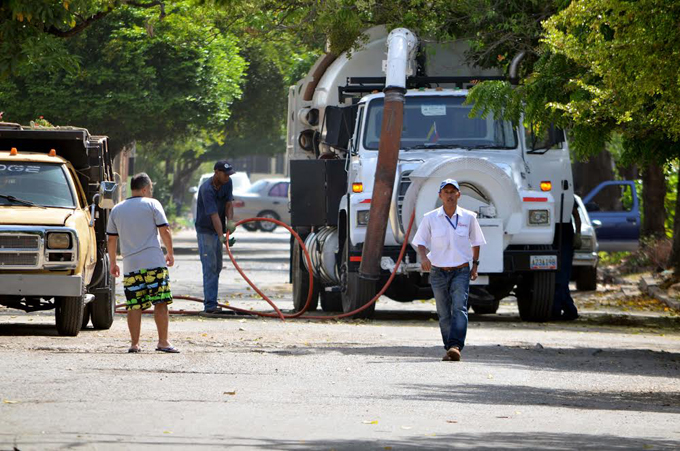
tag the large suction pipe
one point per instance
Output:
(401, 47)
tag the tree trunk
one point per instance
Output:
(653, 196)
(589, 174)
(675, 256)
(182, 173)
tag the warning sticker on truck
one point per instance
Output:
(433, 110)
(544, 262)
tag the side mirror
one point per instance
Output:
(108, 194)
(193, 190)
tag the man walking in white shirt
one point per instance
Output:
(447, 242)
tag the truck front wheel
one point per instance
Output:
(535, 296)
(356, 292)
(103, 306)
(69, 315)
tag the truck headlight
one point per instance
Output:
(362, 217)
(539, 217)
(58, 240)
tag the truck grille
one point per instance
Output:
(404, 183)
(19, 242)
(11, 259)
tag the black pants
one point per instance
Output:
(563, 303)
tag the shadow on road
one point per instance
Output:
(483, 441)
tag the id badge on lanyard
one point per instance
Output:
(454, 226)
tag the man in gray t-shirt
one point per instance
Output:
(137, 222)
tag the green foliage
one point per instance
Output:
(140, 78)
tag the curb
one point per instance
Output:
(649, 286)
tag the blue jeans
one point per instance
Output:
(210, 249)
(451, 290)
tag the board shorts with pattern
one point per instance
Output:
(147, 287)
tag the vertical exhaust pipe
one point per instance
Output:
(401, 46)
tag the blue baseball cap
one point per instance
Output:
(224, 166)
(451, 182)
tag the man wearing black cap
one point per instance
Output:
(213, 205)
(448, 241)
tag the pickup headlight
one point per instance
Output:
(537, 217)
(362, 217)
(58, 240)
(586, 242)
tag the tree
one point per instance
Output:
(140, 78)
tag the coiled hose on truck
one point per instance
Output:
(278, 313)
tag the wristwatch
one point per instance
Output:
(475, 262)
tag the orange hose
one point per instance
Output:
(278, 313)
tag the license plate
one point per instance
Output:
(543, 262)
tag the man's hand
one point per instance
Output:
(232, 241)
(169, 259)
(115, 270)
(231, 226)
(473, 272)
(426, 264)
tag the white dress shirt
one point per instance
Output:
(449, 240)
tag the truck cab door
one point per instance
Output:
(614, 210)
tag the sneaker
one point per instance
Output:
(453, 354)
(217, 309)
(446, 358)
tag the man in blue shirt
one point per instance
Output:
(213, 206)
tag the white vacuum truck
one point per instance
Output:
(519, 184)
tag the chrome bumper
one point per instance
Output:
(42, 285)
(585, 259)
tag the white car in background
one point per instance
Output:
(266, 198)
(584, 269)
(240, 181)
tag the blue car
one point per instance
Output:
(614, 211)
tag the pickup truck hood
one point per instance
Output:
(20, 215)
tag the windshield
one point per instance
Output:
(42, 184)
(257, 186)
(440, 122)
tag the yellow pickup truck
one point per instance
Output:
(56, 189)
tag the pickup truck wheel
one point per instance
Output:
(586, 278)
(356, 291)
(69, 315)
(331, 301)
(103, 306)
(535, 296)
(301, 282)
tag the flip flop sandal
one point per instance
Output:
(169, 349)
(134, 350)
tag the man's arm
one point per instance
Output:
(217, 224)
(475, 257)
(111, 245)
(425, 262)
(229, 212)
(166, 236)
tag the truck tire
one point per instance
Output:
(69, 315)
(402, 290)
(356, 291)
(535, 296)
(301, 282)
(331, 301)
(586, 278)
(103, 306)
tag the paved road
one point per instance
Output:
(607, 381)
